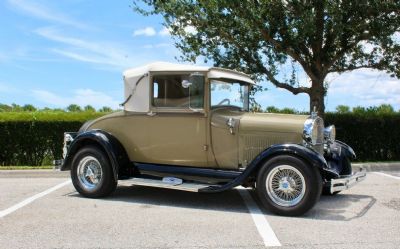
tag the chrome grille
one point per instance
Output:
(253, 145)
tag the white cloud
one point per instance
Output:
(80, 97)
(148, 31)
(396, 36)
(366, 87)
(87, 51)
(190, 30)
(44, 13)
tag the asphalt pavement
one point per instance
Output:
(43, 210)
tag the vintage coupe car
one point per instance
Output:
(189, 128)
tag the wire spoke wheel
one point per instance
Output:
(285, 185)
(89, 172)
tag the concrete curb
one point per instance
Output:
(393, 166)
(34, 173)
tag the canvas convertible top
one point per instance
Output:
(137, 83)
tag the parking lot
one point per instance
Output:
(41, 209)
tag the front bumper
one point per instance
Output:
(346, 182)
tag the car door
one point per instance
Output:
(178, 126)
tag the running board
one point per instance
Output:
(192, 187)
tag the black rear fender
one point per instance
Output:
(114, 150)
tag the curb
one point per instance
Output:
(34, 173)
(394, 166)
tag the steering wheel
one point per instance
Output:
(225, 100)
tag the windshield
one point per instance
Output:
(224, 93)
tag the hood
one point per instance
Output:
(259, 131)
(272, 122)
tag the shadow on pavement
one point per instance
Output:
(341, 207)
(228, 201)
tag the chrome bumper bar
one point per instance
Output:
(346, 182)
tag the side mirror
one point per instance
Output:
(186, 83)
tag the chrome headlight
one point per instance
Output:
(330, 133)
(313, 133)
(68, 138)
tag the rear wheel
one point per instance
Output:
(286, 185)
(91, 173)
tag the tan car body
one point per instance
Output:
(188, 128)
(200, 139)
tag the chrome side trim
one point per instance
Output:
(346, 182)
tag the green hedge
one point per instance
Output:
(374, 137)
(36, 138)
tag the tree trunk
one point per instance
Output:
(317, 95)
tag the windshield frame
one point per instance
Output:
(246, 104)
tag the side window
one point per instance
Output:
(178, 91)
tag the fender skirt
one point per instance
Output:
(312, 157)
(107, 142)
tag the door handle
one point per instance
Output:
(231, 125)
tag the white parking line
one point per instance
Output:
(387, 175)
(31, 199)
(263, 227)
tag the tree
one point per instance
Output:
(29, 108)
(342, 109)
(5, 108)
(16, 107)
(89, 108)
(105, 109)
(359, 110)
(385, 109)
(58, 110)
(74, 108)
(272, 109)
(262, 37)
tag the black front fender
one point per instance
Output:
(310, 156)
(104, 140)
(339, 158)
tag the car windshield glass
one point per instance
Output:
(225, 93)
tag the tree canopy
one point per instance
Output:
(260, 37)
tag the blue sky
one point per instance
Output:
(54, 53)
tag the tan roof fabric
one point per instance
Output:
(137, 84)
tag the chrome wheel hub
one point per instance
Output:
(89, 172)
(285, 185)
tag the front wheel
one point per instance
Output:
(91, 173)
(286, 185)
